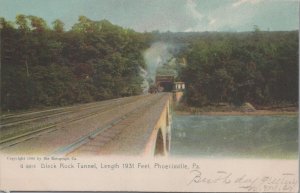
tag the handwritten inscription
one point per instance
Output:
(197, 177)
(286, 182)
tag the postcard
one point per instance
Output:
(149, 96)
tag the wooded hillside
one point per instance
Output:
(96, 60)
(43, 66)
(257, 67)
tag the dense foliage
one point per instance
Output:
(257, 67)
(96, 60)
(50, 66)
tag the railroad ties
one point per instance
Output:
(60, 131)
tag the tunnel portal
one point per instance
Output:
(165, 83)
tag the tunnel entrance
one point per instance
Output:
(165, 82)
(167, 86)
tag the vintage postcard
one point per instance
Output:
(149, 95)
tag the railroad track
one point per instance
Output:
(81, 111)
(11, 116)
(26, 136)
(100, 136)
(40, 115)
(8, 142)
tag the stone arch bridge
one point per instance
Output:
(138, 125)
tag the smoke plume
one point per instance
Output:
(156, 56)
(145, 84)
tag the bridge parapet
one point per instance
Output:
(160, 138)
(132, 126)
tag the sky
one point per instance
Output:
(165, 15)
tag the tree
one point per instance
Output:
(37, 23)
(21, 21)
(58, 26)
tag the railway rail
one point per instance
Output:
(100, 136)
(12, 120)
(55, 125)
